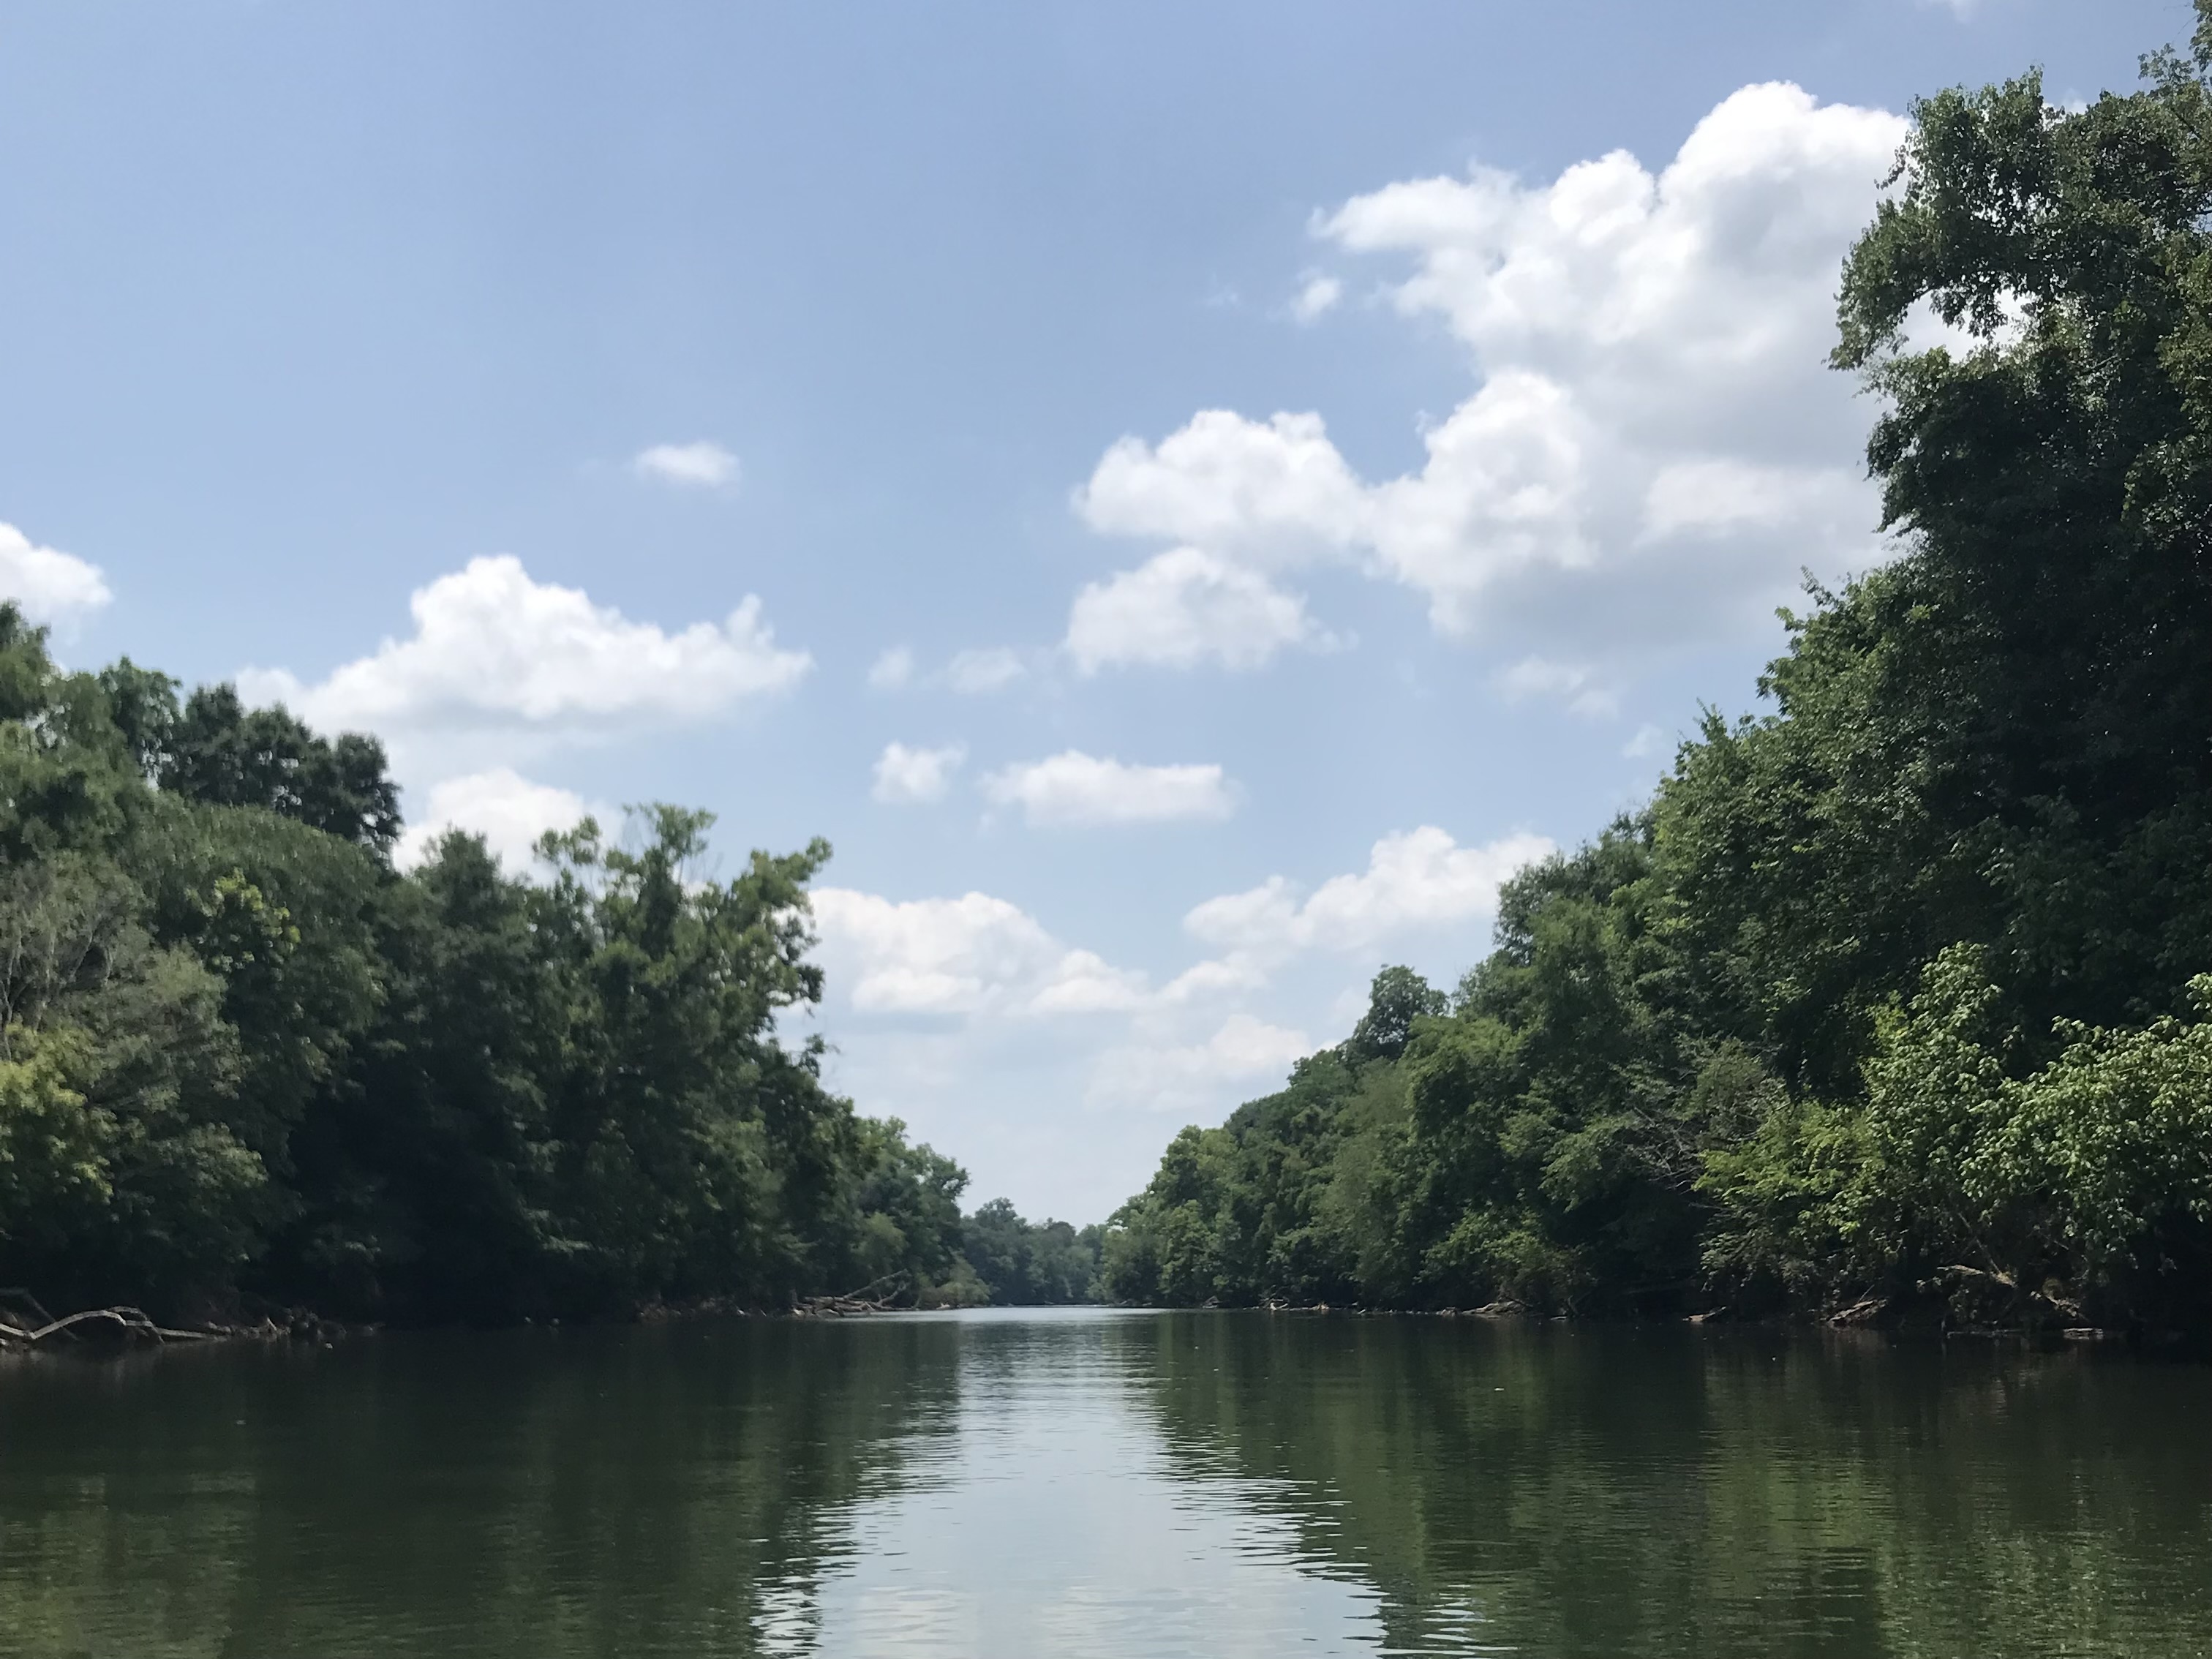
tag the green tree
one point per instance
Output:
(221, 753)
(1887, 999)
(1031, 1263)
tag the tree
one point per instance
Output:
(1031, 1263)
(1398, 1000)
(220, 753)
(1891, 995)
(241, 1055)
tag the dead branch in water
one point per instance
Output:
(23, 1298)
(856, 1301)
(131, 1322)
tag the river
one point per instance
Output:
(1118, 1485)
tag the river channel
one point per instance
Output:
(1117, 1484)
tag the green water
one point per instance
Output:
(1115, 1485)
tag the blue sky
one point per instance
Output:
(1270, 469)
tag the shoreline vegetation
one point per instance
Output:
(1892, 1007)
(101, 1332)
(250, 1072)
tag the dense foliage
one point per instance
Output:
(1891, 998)
(1021, 1263)
(241, 1055)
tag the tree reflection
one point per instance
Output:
(1667, 1492)
(675, 1490)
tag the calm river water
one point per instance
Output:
(1087, 1483)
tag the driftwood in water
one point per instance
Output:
(876, 1296)
(130, 1323)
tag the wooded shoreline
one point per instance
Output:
(1895, 1001)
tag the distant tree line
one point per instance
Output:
(1031, 1263)
(1893, 1000)
(243, 1059)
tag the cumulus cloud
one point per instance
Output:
(979, 672)
(493, 648)
(1416, 880)
(1654, 445)
(908, 776)
(50, 586)
(1317, 295)
(948, 995)
(1715, 497)
(1271, 494)
(1575, 685)
(892, 670)
(508, 810)
(971, 955)
(1177, 1077)
(981, 955)
(1073, 789)
(701, 465)
(1185, 607)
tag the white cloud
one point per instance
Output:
(1577, 686)
(1653, 446)
(509, 811)
(908, 776)
(979, 672)
(1713, 497)
(1650, 740)
(1216, 977)
(971, 955)
(50, 586)
(1417, 880)
(1075, 789)
(491, 648)
(1317, 295)
(1183, 607)
(892, 670)
(701, 465)
(972, 1020)
(990, 970)
(1178, 1076)
(1270, 495)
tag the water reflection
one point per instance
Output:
(1053, 1520)
(1123, 1485)
(1668, 1491)
(652, 1491)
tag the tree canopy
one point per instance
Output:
(242, 1057)
(1892, 998)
